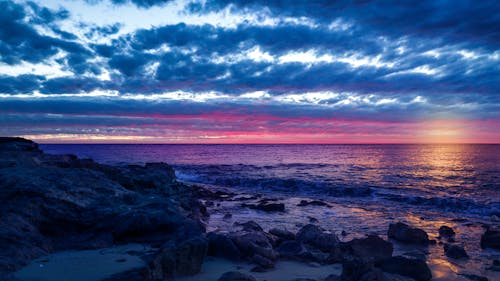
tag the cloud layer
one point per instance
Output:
(230, 71)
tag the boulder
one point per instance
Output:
(371, 248)
(293, 250)
(235, 276)
(455, 251)
(282, 234)
(491, 239)
(254, 243)
(413, 268)
(404, 233)
(267, 206)
(249, 226)
(179, 259)
(220, 245)
(312, 203)
(446, 231)
(313, 235)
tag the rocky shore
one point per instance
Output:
(52, 203)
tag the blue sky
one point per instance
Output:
(250, 71)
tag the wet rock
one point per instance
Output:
(474, 277)
(282, 234)
(446, 232)
(235, 276)
(179, 259)
(404, 233)
(227, 216)
(491, 239)
(315, 236)
(371, 248)
(249, 226)
(267, 207)
(60, 202)
(293, 250)
(220, 245)
(312, 203)
(254, 243)
(354, 269)
(413, 268)
(455, 251)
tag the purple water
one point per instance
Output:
(457, 178)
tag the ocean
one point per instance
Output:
(440, 177)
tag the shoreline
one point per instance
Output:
(147, 189)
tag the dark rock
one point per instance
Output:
(413, 268)
(179, 259)
(474, 277)
(315, 236)
(446, 232)
(254, 243)
(227, 216)
(222, 246)
(282, 234)
(312, 203)
(267, 207)
(354, 269)
(371, 248)
(60, 202)
(235, 276)
(455, 251)
(249, 226)
(293, 250)
(404, 233)
(491, 239)
(313, 220)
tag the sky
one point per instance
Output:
(221, 71)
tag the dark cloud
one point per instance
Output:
(21, 84)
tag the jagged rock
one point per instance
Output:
(235, 276)
(446, 231)
(491, 239)
(61, 202)
(222, 246)
(404, 233)
(179, 259)
(294, 250)
(413, 268)
(282, 234)
(371, 248)
(455, 251)
(267, 207)
(249, 226)
(252, 243)
(474, 277)
(312, 203)
(315, 236)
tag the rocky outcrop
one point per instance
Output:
(404, 233)
(455, 251)
(371, 248)
(413, 268)
(491, 239)
(313, 235)
(446, 232)
(179, 259)
(59, 202)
